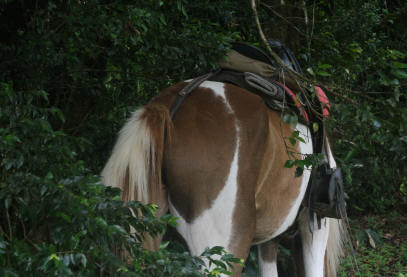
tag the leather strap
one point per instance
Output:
(191, 86)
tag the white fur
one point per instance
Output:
(219, 90)
(267, 269)
(313, 244)
(305, 148)
(328, 240)
(335, 245)
(214, 226)
(131, 151)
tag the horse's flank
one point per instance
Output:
(222, 159)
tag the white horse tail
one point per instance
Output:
(335, 246)
(136, 162)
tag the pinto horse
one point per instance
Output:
(218, 166)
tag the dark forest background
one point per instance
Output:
(71, 72)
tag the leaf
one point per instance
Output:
(164, 245)
(315, 127)
(399, 65)
(323, 73)
(64, 216)
(301, 139)
(399, 73)
(299, 171)
(49, 176)
(310, 71)
(324, 66)
(82, 258)
(291, 119)
(292, 140)
(289, 164)
(371, 240)
(59, 113)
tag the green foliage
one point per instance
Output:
(387, 260)
(57, 219)
(98, 60)
(70, 74)
(363, 48)
(379, 253)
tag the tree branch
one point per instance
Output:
(302, 81)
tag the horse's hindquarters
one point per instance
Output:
(280, 194)
(212, 166)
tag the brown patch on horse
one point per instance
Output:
(277, 188)
(159, 122)
(197, 163)
(251, 115)
(268, 251)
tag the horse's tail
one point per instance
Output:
(135, 165)
(335, 246)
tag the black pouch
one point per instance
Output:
(326, 195)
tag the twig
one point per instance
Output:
(4, 233)
(283, 18)
(302, 80)
(9, 226)
(312, 28)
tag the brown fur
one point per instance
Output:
(194, 167)
(275, 195)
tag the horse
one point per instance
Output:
(218, 165)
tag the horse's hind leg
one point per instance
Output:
(217, 227)
(313, 245)
(268, 259)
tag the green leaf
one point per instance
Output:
(399, 65)
(59, 113)
(164, 244)
(301, 139)
(289, 164)
(49, 176)
(299, 171)
(315, 127)
(6, 89)
(323, 73)
(291, 119)
(324, 66)
(399, 73)
(292, 140)
(64, 216)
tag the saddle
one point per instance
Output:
(250, 68)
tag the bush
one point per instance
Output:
(57, 219)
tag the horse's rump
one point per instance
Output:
(218, 165)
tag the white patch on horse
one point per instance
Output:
(214, 226)
(266, 268)
(219, 90)
(305, 148)
(314, 244)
